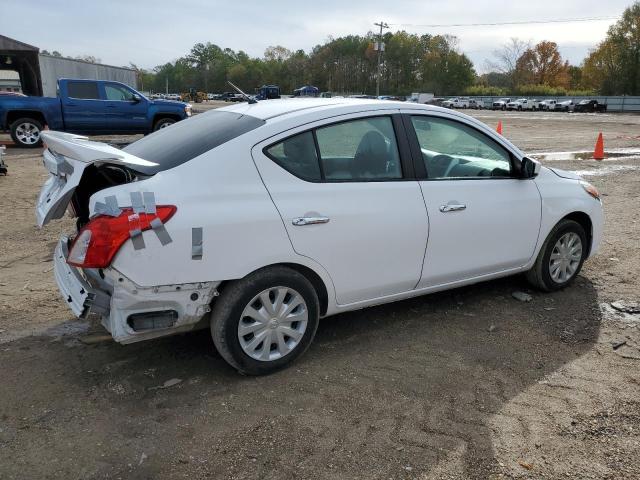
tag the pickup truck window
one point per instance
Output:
(117, 92)
(185, 140)
(83, 90)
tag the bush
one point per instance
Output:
(540, 91)
(485, 91)
(581, 93)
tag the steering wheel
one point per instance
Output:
(441, 165)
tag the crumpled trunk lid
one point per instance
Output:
(65, 158)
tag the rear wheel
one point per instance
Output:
(26, 132)
(163, 123)
(265, 321)
(560, 258)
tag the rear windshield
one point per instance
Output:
(185, 140)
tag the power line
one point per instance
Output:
(493, 24)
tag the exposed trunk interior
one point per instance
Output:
(96, 178)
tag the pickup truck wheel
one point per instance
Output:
(560, 258)
(266, 320)
(163, 123)
(25, 132)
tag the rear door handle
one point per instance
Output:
(452, 207)
(300, 221)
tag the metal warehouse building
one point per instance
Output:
(39, 73)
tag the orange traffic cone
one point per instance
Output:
(598, 153)
(499, 127)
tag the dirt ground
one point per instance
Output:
(466, 384)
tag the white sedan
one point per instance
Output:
(256, 220)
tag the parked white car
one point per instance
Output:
(500, 104)
(548, 105)
(255, 220)
(521, 104)
(456, 103)
(476, 104)
(565, 106)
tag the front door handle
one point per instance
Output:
(300, 221)
(452, 207)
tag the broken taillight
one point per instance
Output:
(100, 239)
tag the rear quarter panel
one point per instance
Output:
(15, 107)
(221, 192)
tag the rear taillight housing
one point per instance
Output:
(100, 239)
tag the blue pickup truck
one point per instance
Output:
(97, 107)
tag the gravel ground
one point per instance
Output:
(466, 384)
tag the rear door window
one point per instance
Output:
(83, 90)
(297, 155)
(359, 150)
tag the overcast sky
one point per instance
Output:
(152, 32)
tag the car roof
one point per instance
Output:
(268, 109)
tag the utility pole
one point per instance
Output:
(206, 77)
(380, 48)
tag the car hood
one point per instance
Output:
(564, 174)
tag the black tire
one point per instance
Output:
(163, 123)
(540, 275)
(228, 309)
(26, 141)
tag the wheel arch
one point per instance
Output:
(316, 280)
(585, 222)
(14, 115)
(159, 116)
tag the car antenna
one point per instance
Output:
(246, 97)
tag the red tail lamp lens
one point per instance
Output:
(100, 239)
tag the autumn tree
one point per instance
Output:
(543, 65)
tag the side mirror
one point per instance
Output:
(529, 168)
(136, 98)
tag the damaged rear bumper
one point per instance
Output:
(75, 289)
(130, 312)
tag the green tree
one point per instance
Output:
(613, 68)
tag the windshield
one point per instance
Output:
(187, 139)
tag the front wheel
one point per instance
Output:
(163, 123)
(26, 132)
(266, 320)
(560, 258)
